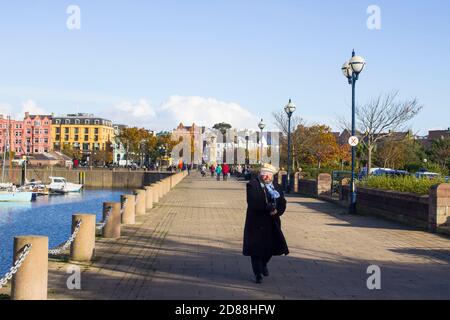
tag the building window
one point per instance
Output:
(77, 130)
(57, 131)
(87, 122)
(76, 137)
(37, 123)
(66, 130)
(45, 131)
(77, 121)
(86, 130)
(57, 137)
(66, 137)
(67, 121)
(57, 121)
(86, 138)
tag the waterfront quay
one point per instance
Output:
(189, 244)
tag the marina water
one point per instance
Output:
(49, 216)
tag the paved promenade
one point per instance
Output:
(189, 247)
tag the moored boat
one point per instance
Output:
(60, 185)
(16, 196)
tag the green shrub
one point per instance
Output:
(403, 184)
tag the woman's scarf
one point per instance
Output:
(274, 194)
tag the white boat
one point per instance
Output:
(60, 185)
(15, 196)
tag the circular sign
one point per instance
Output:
(353, 141)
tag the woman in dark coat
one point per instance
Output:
(263, 237)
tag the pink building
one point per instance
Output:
(37, 133)
(15, 136)
(30, 136)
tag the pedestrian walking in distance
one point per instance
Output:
(218, 171)
(225, 171)
(263, 237)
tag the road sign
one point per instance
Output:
(353, 141)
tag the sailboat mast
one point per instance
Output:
(10, 150)
(5, 144)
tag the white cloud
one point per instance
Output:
(31, 107)
(176, 109)
(206, 111)
(28, 106)
(140, 113)
(141, 109)
(5, 109)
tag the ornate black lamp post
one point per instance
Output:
(351, 70)
(289, 109)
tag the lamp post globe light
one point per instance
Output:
(261, 126)
(351, 71)
(289, 109)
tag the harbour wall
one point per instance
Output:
(95, 178)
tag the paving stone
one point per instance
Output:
(189, 247)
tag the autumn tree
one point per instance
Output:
(137, 141)
(70, 151)
(316, 145)
(343, 154)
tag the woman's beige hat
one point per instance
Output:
(268, 168)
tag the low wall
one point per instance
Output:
(407, 208)
(93, 178)
(307, 187)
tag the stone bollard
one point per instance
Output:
(148, 198)
(296, 178)
(438, 207)
(160, 190)
(342, 183)
(167, 185)
(140, 202)
(324, 185)
(31, 280)
(129, 208)
(280, 177)
(155, 188)
(82, 248)
(112, 226)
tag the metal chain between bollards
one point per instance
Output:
(66, 245)
(103, 224)
(122, 210)
(8, 276)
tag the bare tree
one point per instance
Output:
(380, 118)
(282, 123)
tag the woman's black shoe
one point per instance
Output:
(265, 272)
(258, 278)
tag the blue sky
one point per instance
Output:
(155, 63)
